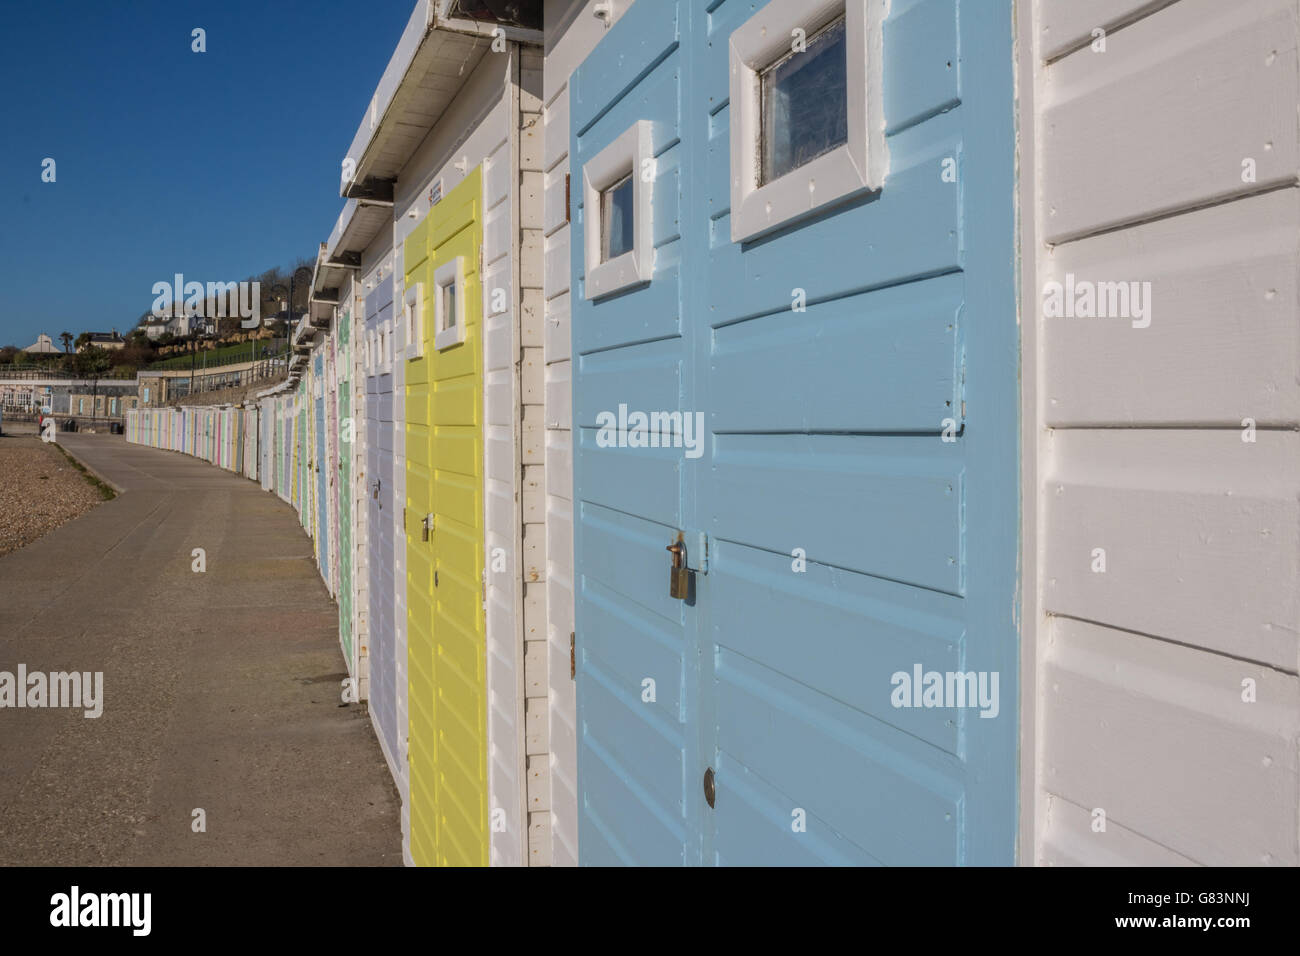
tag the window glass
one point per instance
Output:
(805, 104)
(448, 306)
(616, 235)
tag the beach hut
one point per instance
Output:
(452, 128)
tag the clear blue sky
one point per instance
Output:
(217, 165)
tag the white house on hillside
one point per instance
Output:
(43, 344)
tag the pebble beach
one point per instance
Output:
(39, 490)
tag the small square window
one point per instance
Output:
(617, 218)
(617, 199)
(413, 320)
(807, 124)
(805, 104)
(449, 303)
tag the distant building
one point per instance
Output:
(104, 340)
(155, 328)
(23, 398)
(183, 325)
(109, 400)
(43, 344)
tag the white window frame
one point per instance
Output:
(398, 344)
(857, 166)
(451, 272)
(413, 319)
(631, 153)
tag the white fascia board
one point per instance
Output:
(345, 238)
(399, 64)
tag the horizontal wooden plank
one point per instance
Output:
(497, 233)
(837, 764)
(756, 828)
(559, 395)
(559, 586)
(817, 356)
(556, 194)
(1066, 24)
(556, 120)
(644, 481)
(499, 504)
(559, 463)
(1201, 533)
(631, 47)
(1070, 840)
(1156, 124)
(496, 184)
(1158, 736)
(922, 70)
(555, 278)
(889, 493)
(645, 378)
(1223, 340)
(856, 616)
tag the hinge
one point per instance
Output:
(697, 551)
(573, 658)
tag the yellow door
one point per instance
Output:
(446, 632)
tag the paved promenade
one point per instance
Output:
(220, 689)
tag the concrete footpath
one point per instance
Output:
(221, 689)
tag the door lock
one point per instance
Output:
(680, 577)
(710, 787)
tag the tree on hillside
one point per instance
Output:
(66, 339)
(92, 362)
(82, 341)
(137, 353)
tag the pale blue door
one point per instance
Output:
(379, 504)
(855, 487)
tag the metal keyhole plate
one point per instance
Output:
(710, 788)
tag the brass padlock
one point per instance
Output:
(679, 576)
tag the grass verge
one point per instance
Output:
(105, 492)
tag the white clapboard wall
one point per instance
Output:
(480, 128)
(573, 28)
(1162, 691)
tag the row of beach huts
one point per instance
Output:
(812, 431)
